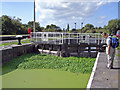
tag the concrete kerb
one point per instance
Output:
(93, 72)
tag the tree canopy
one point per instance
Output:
(13, 26)
(52, 28)
(113, 26)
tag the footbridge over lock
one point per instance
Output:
(68, 44)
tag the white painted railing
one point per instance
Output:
(60, 37)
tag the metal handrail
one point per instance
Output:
(59, 37)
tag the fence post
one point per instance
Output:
(89, 50)
(42, 48)
(69, 39)
(88, 39)
(79, 50)
(64, 49)
(62, 38)
(95, 38)
(98, 39)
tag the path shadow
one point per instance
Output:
(116, 68)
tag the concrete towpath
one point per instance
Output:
(106, 78)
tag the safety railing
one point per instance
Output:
(72, 38)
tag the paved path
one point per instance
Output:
(106, 78)
(9, 41)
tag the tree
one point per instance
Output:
(73, 30)
(67, 27)
(52, 28)
(105, 27)
(7, 25)
(17, 25)
(42, 28)
(100, 27)
(12, 26)
(37, 26)
(113, 25)
(89, 26)
(24, 28)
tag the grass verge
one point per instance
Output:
(10, 43)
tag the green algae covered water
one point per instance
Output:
(44, 78)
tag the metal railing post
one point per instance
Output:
(88, 39)
(36, 36)
(98, 39)
(95, 38)
(69, 38)
(62, 38)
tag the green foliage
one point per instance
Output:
(39, 61)
(118, 56)
(37, 26)
(71, 64)
(73, 30)
(68, 27)
(52, 28)
(12, 26)
(89, 26)
(113, 26)
(119, 45)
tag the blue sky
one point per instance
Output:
(23, 10)
(63, 12)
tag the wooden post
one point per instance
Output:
(78, 50)
(50, 49)
(89, 50)
(42, 48)
(64, 49)
(59, 51)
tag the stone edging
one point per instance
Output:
(16, 50)
(93, 72)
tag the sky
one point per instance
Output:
(63, 12)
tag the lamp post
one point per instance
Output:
(75, 25)
(81, 26)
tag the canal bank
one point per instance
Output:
(103, 77)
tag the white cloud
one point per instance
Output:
(101, 3)
(102, 17)
(62, 12)
(100, 22)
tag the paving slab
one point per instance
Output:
(106, 78)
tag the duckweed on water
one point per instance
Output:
(40, 61)
(71, 64)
